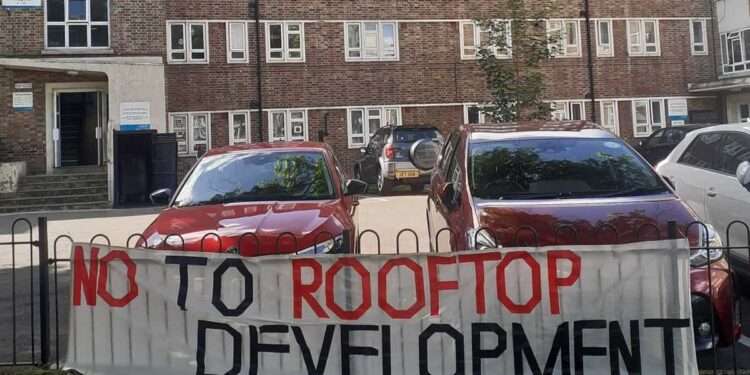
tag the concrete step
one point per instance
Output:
(45, 190)
(68, 177)
(53, 199)
(56, 207)
(58, 185)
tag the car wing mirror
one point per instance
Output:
(355, 187)
(743, 174)
(161, 197)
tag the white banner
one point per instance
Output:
(563, 310)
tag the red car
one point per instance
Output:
(552, 183)
(260, 199)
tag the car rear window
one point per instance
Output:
(559, 168)
(413, 135)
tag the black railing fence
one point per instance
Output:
(35, 282)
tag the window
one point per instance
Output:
(604, 43)
(473, 37)
(77, 24)
(734, 149)
(567, 36)
(287, 125)
(371, 41)
(184, 49)
(364, 122)
(237, 42)
(703, 152)
(609, 116)
(744, 112)
(648, 115)
(568, 110)
(473, 115)
(239, 128)
(735, 51)
(698, 37)
(643, 37)
(285, 42)
(192, 131)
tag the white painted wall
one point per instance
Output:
(733, 15)
(733, 106)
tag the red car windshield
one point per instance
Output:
(559, 168)
(257, 176)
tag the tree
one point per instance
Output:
(516, 84)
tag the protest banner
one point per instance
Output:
(563, 310)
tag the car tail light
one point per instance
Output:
(389, 152)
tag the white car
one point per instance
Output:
(710, 170)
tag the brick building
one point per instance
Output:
(343, 67)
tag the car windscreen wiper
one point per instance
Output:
(632, 192)
(554, 195)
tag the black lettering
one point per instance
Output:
(257, 347)
(386, 348)
(667, 326)
(560, 348)
(477, 353)
(320, 367)
(216, 297)
(458, 340)
(618, 346)
(184, 262)
(348, 350)
(204, 326)
(586, 351)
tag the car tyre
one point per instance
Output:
(385, 186)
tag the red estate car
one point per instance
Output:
(260, 199)
(551, 183)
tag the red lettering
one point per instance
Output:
(416, 271)
(555, 282)
(479, 260)
(536, 283)
(83, 279)
(302, 291)
(366, 294)
(103, 275)
(436, 285)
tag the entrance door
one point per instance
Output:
(78, 130)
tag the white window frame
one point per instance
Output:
(565, 108)
(188, 50)
(727, 52)
(640, 43)
(562, 49)
(248, 128)
(361, 48)
(704, 33)
(87, 22)
(739, 112)
(366, 117)
(651, 124)
(190, 142)
(478, 31)
(604, 49)
(230, 50)
(615, 127)
(288, 124)
(482, 115)
(285, 50)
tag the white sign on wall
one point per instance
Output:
(678, 111)
(22, 3)
(23, 101)
(135, 116)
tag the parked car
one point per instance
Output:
(388, 160)
(660, 143)
(260, 199)
(709, 171)
(554, 183)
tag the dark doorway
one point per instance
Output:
(79, 118)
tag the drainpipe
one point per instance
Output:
(592, 94)
(255, 4)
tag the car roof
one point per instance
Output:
(537, 129)
(743, 127)
(275, 146)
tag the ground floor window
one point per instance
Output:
(192, 131)
(287, 125)
(568, 110)
(239, 128)
(364, 122)
(609, 116)
(473, 115)
(744, 112)
(648, 115)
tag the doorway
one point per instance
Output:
(77, 130)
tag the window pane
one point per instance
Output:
(99, 36)
(279, 125)
(734, 150)
(179, 127)
(371, 40)
(641, 112)
(576, 111)
(275, 36)
(298, 129)
(78, 36)
(240, 128)
(200, 128)
(389, 39)
(178, 36)
(238, 55)
(391, 116)
(294, 41)
(650, 29)
(703, 151)
(353, 35)
(468, 35)
(196, 39)
(736, 54)
(55, 10)
(76, 10)
(656, 112)
(697, 32)
(373, 120)
(237, 36)
(473, 115)
(55, 36)
(603, 33)
(746, 38)
(357, 125)
(99, 11)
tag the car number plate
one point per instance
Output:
(407, 174)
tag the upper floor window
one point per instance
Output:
(285, 42)
(371, 41)
(364, 122)
(643, 37)
(77, 23)
(184, 48)
(287, 125)
(648, 115)
(568, 110)
(604, 40)
(567, 36)
(237, 42)
(735, 51)
(698, 37)
(474, 37)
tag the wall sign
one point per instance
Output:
(24, 86)
(678, 111)
(23, 101)
(135, 116)
(22, 3)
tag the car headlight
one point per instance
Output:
(481, 239)
(709, 247)
(324, 247)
